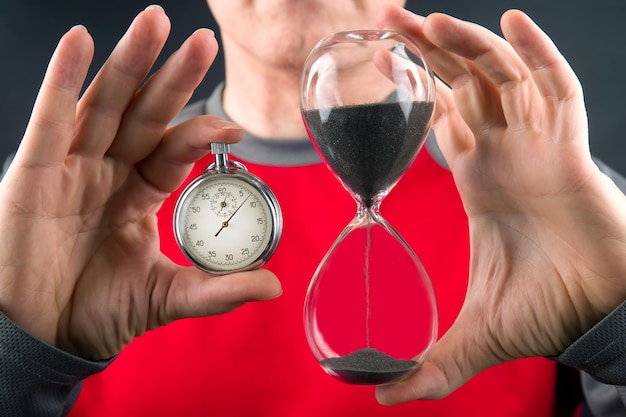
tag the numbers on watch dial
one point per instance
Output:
(224, 223)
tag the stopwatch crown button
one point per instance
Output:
(220, 148)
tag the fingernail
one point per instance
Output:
(155, 7)
(206, 30)
(224, 124)
(79, 27)
(274, 296)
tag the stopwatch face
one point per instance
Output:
(227, 222)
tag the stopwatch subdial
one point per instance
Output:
(223, 204)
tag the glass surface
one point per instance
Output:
(367, 100)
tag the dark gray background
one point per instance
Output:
(588, 33)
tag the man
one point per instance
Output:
(544, 224)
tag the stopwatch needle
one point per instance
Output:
(223, 203)
(225, 223)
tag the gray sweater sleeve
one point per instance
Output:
(601, 354)
(36, 379)
(601, 351)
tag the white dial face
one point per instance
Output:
(224, 223)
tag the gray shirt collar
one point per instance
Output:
(285, 152)
(277, 152)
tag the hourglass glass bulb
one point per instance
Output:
(367, 100)
(370, 313)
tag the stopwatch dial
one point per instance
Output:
(225, 223)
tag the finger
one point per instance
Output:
(196, 294)
(168, 166)
(481, 102)
(492, 54)
(494, 61)
(552, 74)
(404, 73)
(452, 133)
(428, 382)
(163, 96)
(457, 357)
(101, 108)
(403, 21)
(48, 136)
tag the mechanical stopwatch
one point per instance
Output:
(227, 219)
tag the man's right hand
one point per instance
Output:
(80, 264)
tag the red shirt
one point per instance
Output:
(255, 361)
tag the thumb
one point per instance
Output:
(196, 294)
(459, 355)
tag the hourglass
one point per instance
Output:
(367, 99)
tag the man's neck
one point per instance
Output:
(264, 101)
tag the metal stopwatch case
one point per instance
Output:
(227, 220)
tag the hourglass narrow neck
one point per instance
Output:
(369, 208)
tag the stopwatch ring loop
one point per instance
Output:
(231, 165)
